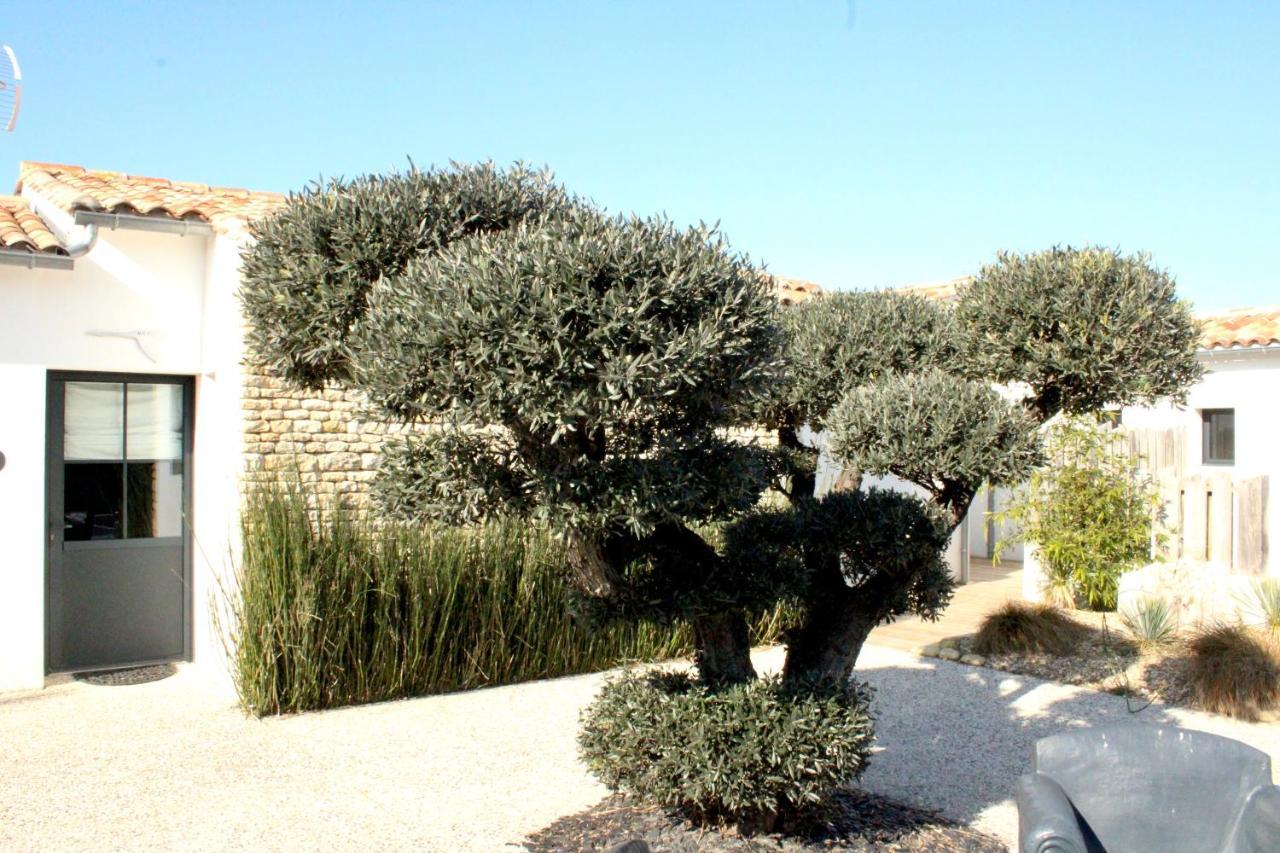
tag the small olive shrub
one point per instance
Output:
(744, 754)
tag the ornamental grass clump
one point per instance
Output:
(1231, 671)
(335, 610)
(1152, 621)
(1019, 627)
(1266, 605)
(745, 755)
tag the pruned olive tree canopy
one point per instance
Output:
(312, 265)
(576, 368)
(1084, 328)
(584, 371)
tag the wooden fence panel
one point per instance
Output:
(1195, 518)
(1251, 526)
(1218, 533)
(1161, 452)
(1171, 499)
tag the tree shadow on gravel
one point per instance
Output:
(956, 738)
(951, 742)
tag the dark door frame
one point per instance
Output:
(54, 424)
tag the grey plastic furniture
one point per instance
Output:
(1139, 789)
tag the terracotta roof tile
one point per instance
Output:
(1241, 327)
(76, 188)
(1238, 327)
(21, 228)
(793, 291)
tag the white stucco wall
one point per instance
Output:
(130, 281)
(22, 526)
(1249, 382)
(179, 292)
(219, 457)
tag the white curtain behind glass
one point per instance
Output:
(94, 421)
(155, 422)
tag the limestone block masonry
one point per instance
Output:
(321, 435)
(324, 438)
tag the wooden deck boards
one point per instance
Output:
(989, 586)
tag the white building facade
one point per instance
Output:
(121, 428)
(1219, 491)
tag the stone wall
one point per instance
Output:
(321, 435)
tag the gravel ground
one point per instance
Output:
(1115, 665)
(174, 765)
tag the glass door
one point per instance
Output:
(119, 501)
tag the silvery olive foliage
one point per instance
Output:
(1084, 328)
(846, 339)
(875, 549)
(883, 374)
(944, 434)
(907, 387)
(575, 367)
(314, 262)
(745, 754)
(580, 370)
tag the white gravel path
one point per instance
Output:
(174, 765)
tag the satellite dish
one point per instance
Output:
(10, 87)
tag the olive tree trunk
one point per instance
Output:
(827, 645)
(722, 648)
(721, 635)
(836, 623)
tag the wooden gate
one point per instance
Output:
(1217, 519)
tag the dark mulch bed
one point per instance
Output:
(856, 820)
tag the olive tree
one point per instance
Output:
(587, 372)
(573, 368)
(1083, 329)
(946, 400)
(882, 375)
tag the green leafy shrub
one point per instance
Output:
(743, 754)
(1152, 622)
(1090, 512)
(1023, 627)
(336, 610)
(1232, 672)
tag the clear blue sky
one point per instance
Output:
(903, 142)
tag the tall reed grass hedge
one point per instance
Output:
(335, 609)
